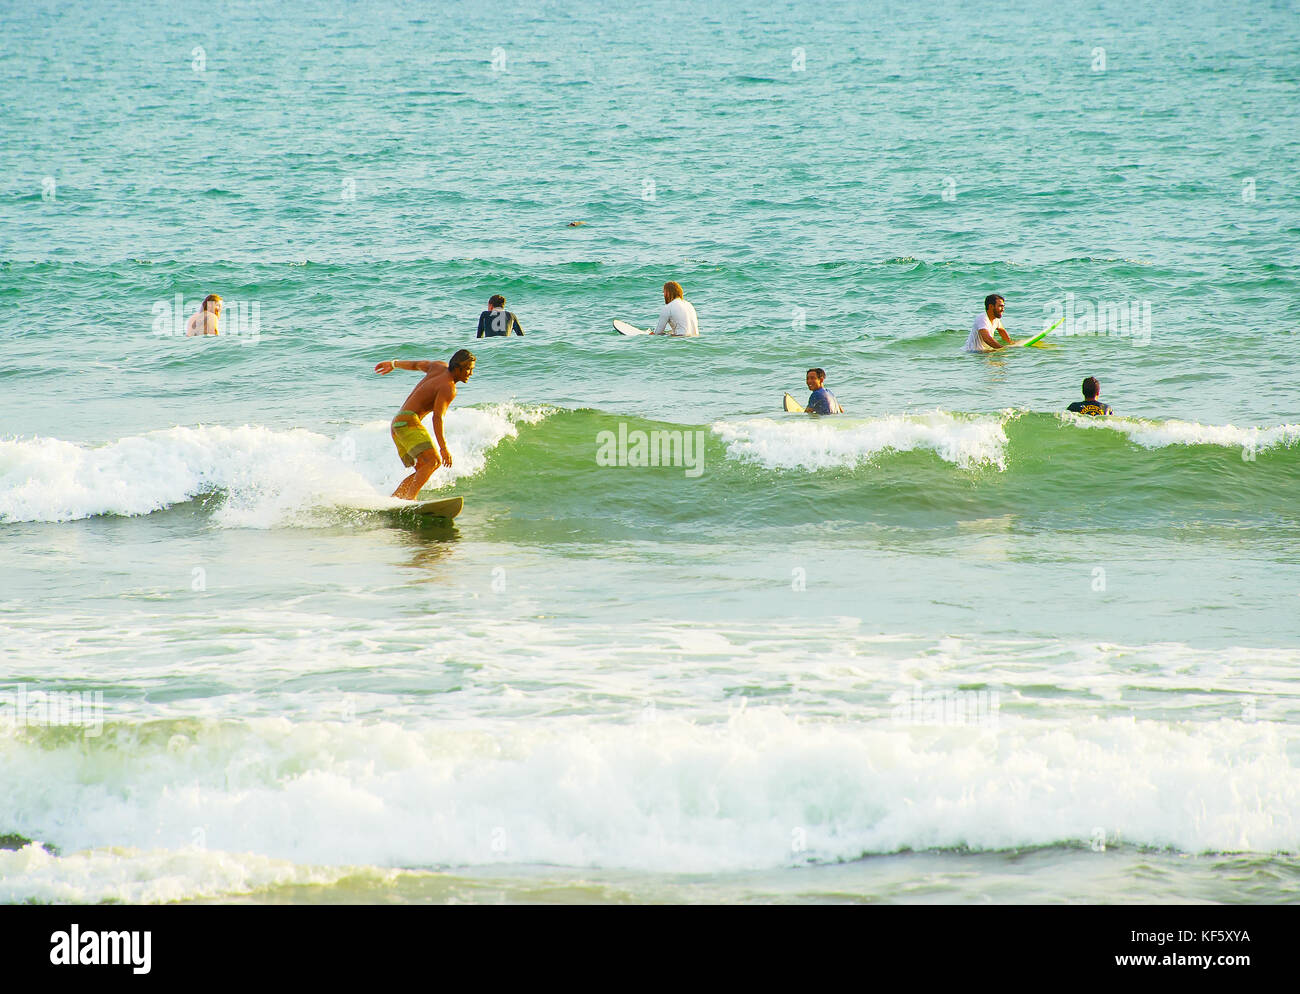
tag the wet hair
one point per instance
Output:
(211, 298)
(821, 373)
(497, 301)
(1091, 387)
(674, 291)
(463, 357)
(992, 299)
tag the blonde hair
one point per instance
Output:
(674, 291)
(211, 298)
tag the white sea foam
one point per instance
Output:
(968, 442)
(1160, 434)
(663, 771)
(265, 475)
(761, 790)
(132, 876)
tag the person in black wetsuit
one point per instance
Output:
(497, 321)
(1090, 405)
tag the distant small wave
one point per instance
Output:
(1161, 434)
(967, 442)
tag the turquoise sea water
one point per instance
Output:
(953, 647)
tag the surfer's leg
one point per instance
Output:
(415, 446)
(425, 465)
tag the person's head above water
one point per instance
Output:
(994, 304)
(673, 291)
(461, 365)
(815, 378)
(1092, 388)
(496, 301)
(212, 302)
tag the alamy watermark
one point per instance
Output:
(945, 707)
(1113, 318)
(23, 708)
(242, 318)
(669, 447)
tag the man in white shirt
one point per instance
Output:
(986, 325)
(677, 314)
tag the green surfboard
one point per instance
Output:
(1034, 340)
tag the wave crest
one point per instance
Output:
(265, 475)
(967, 442)
(1162, 434)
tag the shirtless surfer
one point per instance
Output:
(433, 393)
(207, 319)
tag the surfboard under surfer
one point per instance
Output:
(987, 325)
(433, 393)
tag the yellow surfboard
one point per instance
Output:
(447, 507)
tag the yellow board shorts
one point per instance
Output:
(410, 436)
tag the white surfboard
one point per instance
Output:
(792, 406)
(623, 328)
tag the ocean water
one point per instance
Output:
(955, 646)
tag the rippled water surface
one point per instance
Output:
(955, 646)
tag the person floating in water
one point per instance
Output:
(821, 400)
(987, 325)
(497, 321)
(1090, 405)
(207, 319)
(433, 393)
(677, 314)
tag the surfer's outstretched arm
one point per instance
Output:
(414, 365)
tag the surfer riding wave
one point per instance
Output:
(433, 393)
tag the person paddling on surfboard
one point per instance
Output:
(433, 393)
(677, 314)
(986, 325)
(1090, 405)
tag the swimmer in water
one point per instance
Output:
(821, 400)
(1090, 405)
(207, 319)
(497, 321)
